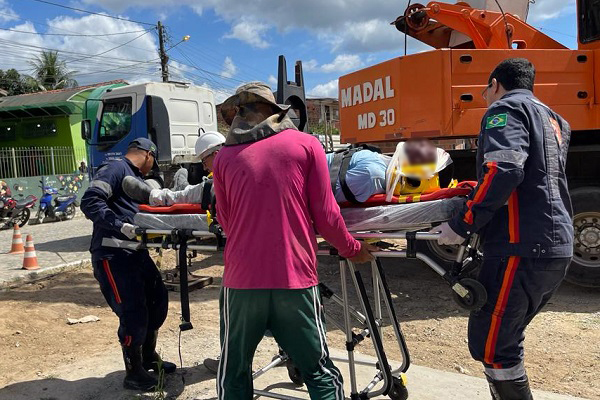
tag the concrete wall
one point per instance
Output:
(73, 184)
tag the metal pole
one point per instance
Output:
(14, 157)
(52, 158)
(164, 58)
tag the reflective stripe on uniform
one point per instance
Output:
(111, 281)
(104, 186)
(513, 218)
(506, 374)
(498, 313)
(482, 191)
(507, 156)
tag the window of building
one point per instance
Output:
(40, 129)
(116, 119)
(589, 20)
(8, 131)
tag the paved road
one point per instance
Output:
(56, 244)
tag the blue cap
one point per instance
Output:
(145, 144)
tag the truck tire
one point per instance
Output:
(585, 267)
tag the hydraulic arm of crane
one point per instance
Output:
(434, 24)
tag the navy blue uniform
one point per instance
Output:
(129, 280)
(522, 210)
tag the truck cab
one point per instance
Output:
(172, 115)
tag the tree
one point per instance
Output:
(51, 73)
(15, 83)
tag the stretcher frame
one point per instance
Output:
(469, 294)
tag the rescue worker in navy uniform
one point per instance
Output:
(129, 280)
(522, 209)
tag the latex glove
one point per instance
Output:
(447, 235)
(128, 230)
(364, 255)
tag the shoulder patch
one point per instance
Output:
(496, 121)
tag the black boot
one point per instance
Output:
(152, 360)
(136, 189)
(212, 364)
(517, 389)
(136, 377)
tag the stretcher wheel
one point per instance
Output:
(475, 299)
(399, 390)
(294, 373)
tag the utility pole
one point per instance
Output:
(164, 58)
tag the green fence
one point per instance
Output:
(22, 162)
(67, 183)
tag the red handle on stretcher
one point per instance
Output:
(174, 209)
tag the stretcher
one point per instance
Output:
(187, 232)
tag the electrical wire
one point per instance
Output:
(93, 13)
(508, 41)
(75, 35)
(109, 50)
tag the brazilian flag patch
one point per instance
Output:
(496, 121)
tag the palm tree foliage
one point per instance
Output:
(50, 72)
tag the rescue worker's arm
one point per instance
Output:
(505, 146)
(94, 201)
(323, 208)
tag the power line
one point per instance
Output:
(93, 13)
(109, 50)
(75, 34)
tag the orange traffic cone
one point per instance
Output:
(17, 242)
(30, 260)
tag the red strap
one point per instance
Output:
(174, 209)
(463, 189)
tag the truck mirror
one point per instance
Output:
(159, 130)
(86, 130)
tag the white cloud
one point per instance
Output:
(125, 62)
(310, 65)
(343, 63)
(550, 9)
(249, 31)
(329, 89)
(7, 14)
(272, 80)
(229, 68)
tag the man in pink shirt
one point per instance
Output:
(273, 192)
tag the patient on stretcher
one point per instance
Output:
(417, 167)
(356, 174)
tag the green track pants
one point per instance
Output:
(295, 319)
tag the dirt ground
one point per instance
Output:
(562, 344)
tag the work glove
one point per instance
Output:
(128, 230)
(447, 235)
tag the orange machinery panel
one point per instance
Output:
(439, 93)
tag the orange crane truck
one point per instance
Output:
(437, 94)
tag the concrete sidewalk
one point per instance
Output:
(100, 378)
(58, 245)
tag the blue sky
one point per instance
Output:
(231, 41)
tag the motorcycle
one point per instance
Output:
(15, 211)
(63, 209)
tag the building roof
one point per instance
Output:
(49, 103)
(323, 99)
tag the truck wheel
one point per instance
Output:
(443, 255)
(585, 268)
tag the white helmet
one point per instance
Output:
(208, 143)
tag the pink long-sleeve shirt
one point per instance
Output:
(271, 197)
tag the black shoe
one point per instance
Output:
(152, 360)
(136, 377)
(212, 364)
(517, 389)
(136, 189)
